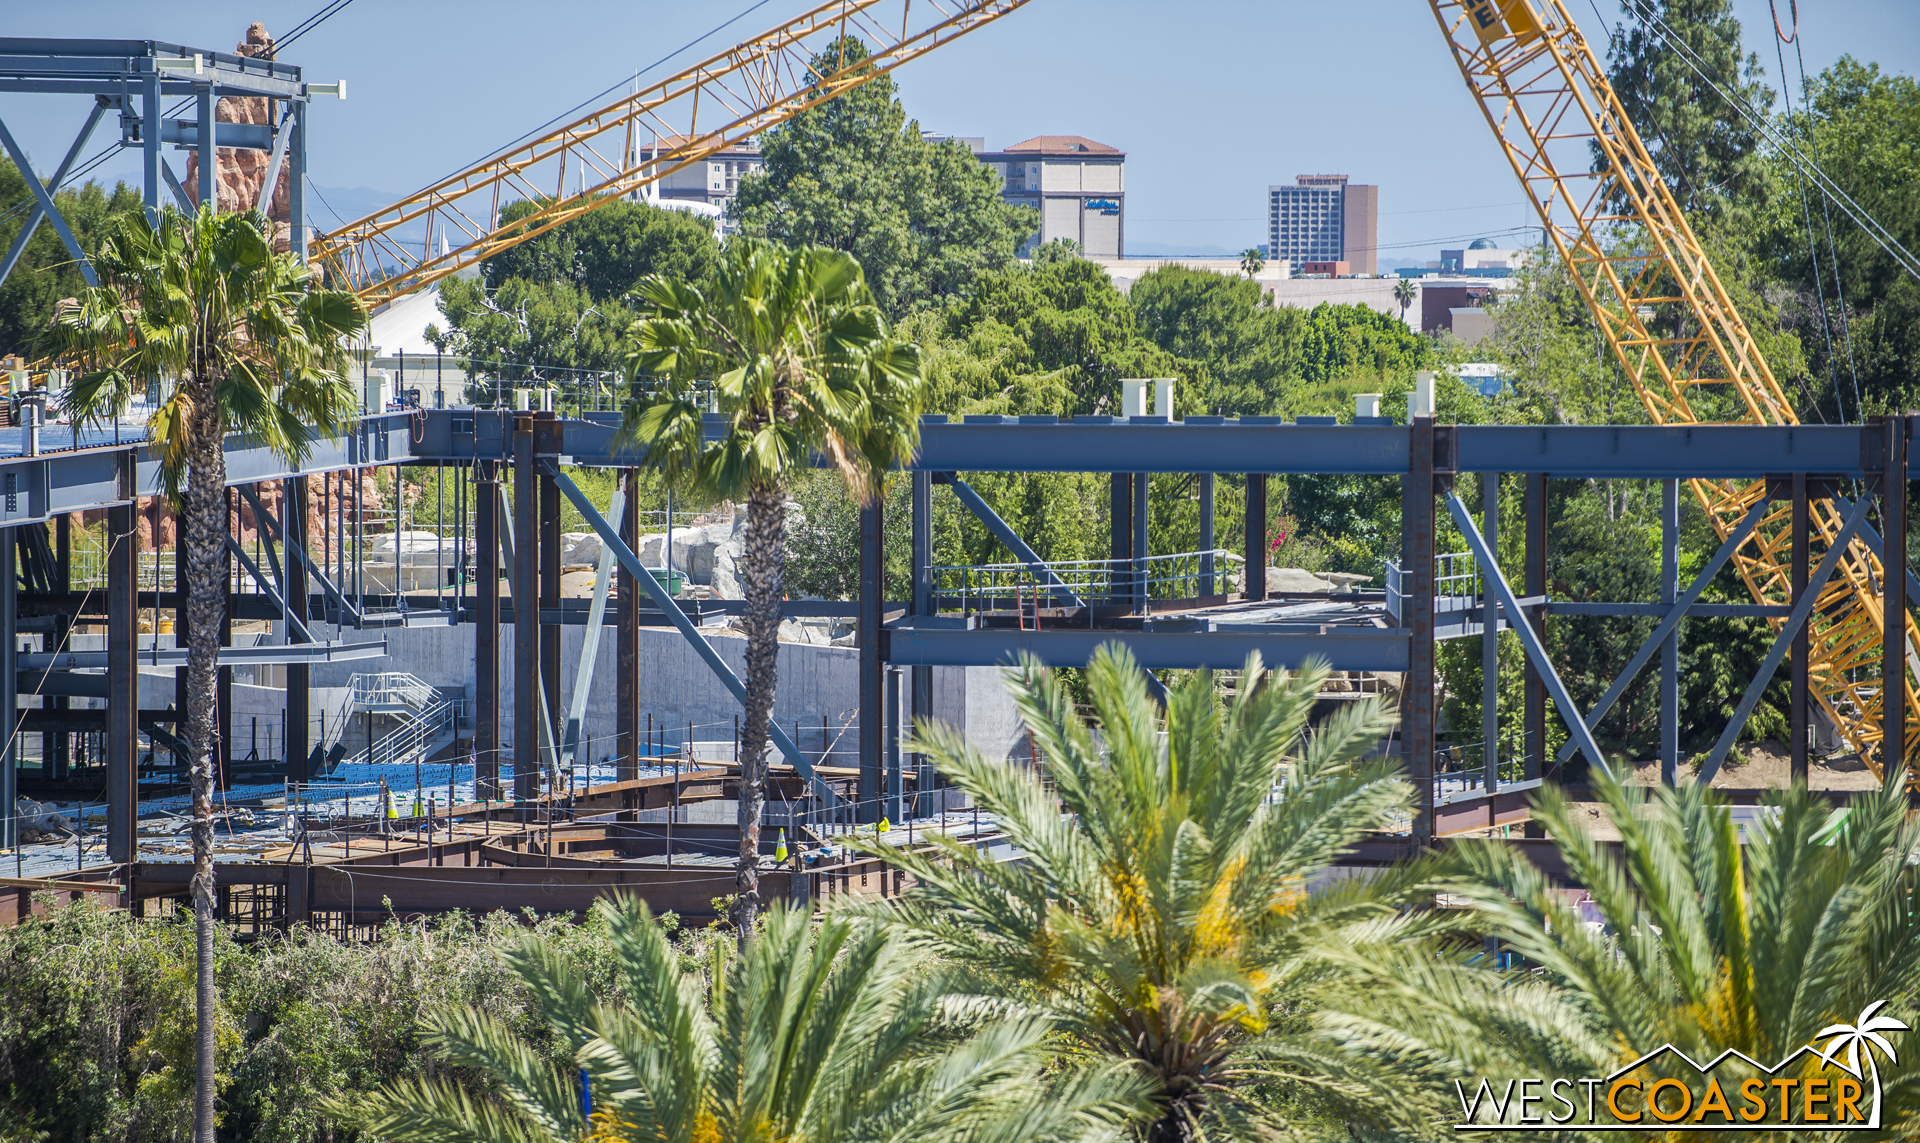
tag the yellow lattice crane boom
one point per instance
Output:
(635, 141)
(1663, 310)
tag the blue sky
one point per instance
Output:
(1212, 102)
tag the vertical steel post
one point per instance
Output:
(526, 618)
(9, 685)
(1418, 698)
(1119, 535)
(209, 164)
(1141, 548)
(1256, 570)
(1670, 647)
(1490, 638)
(895, 782)
(296, 181)
(1893, 559)
(922, 698)
(299, 711)
(484, 613)
(151, 114)
(223, 687)
(123, 674)
(1535, 712)
(546, 442)
(873, 715)
(1802, 641)
(626, 617)
(1206, 534)
(58, 762)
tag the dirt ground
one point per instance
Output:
(1764, 767)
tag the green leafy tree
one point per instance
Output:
(1404, 293)
(1161, 910)
(1251, 348)
(1704, 147)
(47, 271)
(1863, 124)
(558, 306)
(924, 219)
(1707, 939)
(800, 364)
(203, 299)
(832, 1036)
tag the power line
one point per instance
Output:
(309, 24)
(1806, 211)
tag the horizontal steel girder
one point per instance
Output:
(1360, 650)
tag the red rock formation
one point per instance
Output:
(238, 174)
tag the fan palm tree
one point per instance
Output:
(828, 1035)
(1403, 292)
(801, 367)
(1251, 262)
(1161, 909)
(1701, 941)
(203, 300)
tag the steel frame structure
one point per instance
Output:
(135, 79)
(901, 642)
(1665, 314)
(715, 104)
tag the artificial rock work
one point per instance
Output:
(238, 174)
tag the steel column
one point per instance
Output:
(922, 559)
(62, 756)
(1534, 715)
(1256, 569)
(1490, 639)
(1893, 580)
(1141, 548)
(526, 618)
(209, 161)
(896, 730)
(485, 613)
(299, 711)
(1670, 646)
(10, 680)
(1417, 694)
(1206, 534)
(1119, 534)
(296, 183)
(151, 113)
(123, 676)
(223, 685)
(1802, 639)
(873, 715)
(626, 612)
(546, 442)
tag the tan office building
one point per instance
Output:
(1077, 185)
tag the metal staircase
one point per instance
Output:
(424, 718)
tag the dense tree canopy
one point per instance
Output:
(560, 301)
(923, 218)
(46, 272)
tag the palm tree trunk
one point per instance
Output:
(762, 566)
(204, 531)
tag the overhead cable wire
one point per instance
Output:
(1806, 210)
(1861, 217)
(611, 88)
(1826, 211)
(309, 24)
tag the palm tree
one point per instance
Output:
(801, 367)
(1863, 1032)
(1251, 262)
(1698, 939)
(204, 301)
(1161, 910)
(828, 1035)
(1403, 292)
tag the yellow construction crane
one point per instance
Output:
(1659, 303)
(1664, 313)
(635, 141)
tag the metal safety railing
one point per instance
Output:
(1455, 576)
(1175, 575)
